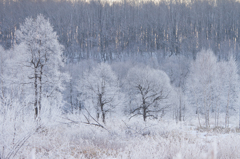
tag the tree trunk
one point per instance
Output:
(98, 107)
(206, 107)
(199, 118)
(103, 114)
(71, 96)
(239, 117)
(97, 116)
(103, 117)
(40, 92)
(144, 110)
(36, 95)
(180, 109)
(101, 107)
(227, 113)
(144, 114)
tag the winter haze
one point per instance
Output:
(119, 79)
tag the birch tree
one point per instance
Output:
(201, 83)
(230, 87)
(43, 56)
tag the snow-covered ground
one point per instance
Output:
(122, 138)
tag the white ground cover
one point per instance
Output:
(130, 139)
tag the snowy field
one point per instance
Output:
(67, 137)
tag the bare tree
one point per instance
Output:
(99, 88)
(149, 91)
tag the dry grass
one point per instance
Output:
(128, 140)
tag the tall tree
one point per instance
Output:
(201, 83)
(43, 56)
(230, 87)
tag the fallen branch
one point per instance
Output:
(87, 121)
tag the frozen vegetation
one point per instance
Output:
(72, 138)
(147, 104)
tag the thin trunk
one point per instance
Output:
(144, 110)
(239, 117)
(144, 114)
(206, 111)
(176, 114)
(71, 98)
(103, 113)
(215, 114)
(197, 112)
(207, 124)
(218, 117)
(40, 92)
(36, 95)
(103, 117)
(227, 113)
(199, 118)
(180, 109)
(97, 116)
(40, 85)
(101, 107)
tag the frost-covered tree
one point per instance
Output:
(212, 86)
(201, 83)
(71, 94)
(43, 58)
(180, 105)
(99, 88)
(149, 91)
(177, 68)
(15, 93)
(229, 87)
(12, 82)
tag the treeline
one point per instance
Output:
(105, 31)
(179, 88)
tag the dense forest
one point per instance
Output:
(107, 31)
